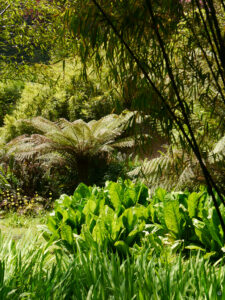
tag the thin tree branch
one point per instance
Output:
(206, 58)
(209, 180)
(218, 33)
(192, 142)
(210, 41)
(4, 10)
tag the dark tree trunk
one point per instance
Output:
(83, 167)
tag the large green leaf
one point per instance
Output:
(82, 191)
(160, 195)
(122, 247)
(116, 194)
(66, 233)
(173, 217)
(52, 225)
(202, 232)
(213, 226)
(134, 215)
(195, 204)
(135, 234)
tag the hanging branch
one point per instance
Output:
(210, 41)
(209, 180)
(219, 43)
(206, 58)
(192, 142)
(223, 4)
(4, 10)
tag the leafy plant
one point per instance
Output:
(189, 220)
(113, 217)
(177, 169)
(10, 92)
(30, 268)
(188, 85)
(7, 179)
(121, 216)
(77, 146)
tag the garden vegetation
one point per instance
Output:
(112, 149)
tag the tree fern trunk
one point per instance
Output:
(83, 167)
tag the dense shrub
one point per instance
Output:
(10, 92)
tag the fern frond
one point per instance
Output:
(52, 159)
(43, 125)
(162, 171)
(128, 142)
(186, 177)
(64, 142)
(220, 146)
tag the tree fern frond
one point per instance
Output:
(42, 124)
(220, 146)
(61, 140)
(52, 159)
(186, 177)
(162, 171)
(128, 142)
(73, 144)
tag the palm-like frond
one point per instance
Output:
(163, 171)
(218, 152)
(176, 169)
(127, 142)
(53, 159)
(41, 124)
(67, 143)
(25, 147)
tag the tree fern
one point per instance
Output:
(219, 149)
(170, 170)
(73, 144)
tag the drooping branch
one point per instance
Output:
(209, 180)
(218, 39)
(192, 141)
(206, 58)
(4, 10)
(210, 41)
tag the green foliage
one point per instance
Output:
(34, 270)
(72, 99)
(28, 33)
(89, 99)
(166, 170)
(189, 218)
(52, 95)
(178, 169)
(173, 51)
(122, 217)
(7, 179)
(78, 146)
(10, 92)
(113, 217)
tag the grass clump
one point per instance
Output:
(43, 272)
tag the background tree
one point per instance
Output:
(28, 34)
